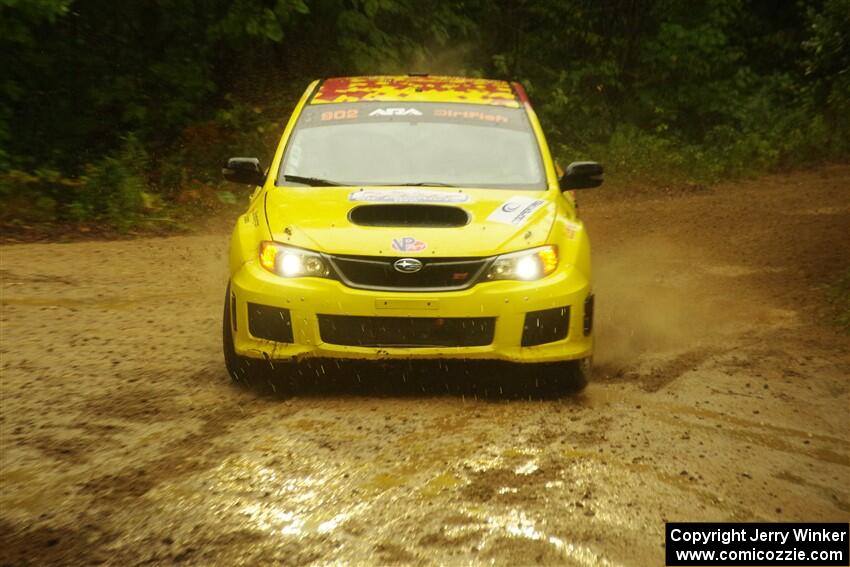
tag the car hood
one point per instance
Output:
(494, 220)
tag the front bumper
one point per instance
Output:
(504, 303)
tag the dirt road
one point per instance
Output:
(720, 395)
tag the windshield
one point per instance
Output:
(378, 143)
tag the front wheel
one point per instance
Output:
(570, 375)
(582, 370)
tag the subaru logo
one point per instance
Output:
(407, 265)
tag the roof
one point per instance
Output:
(418, 88)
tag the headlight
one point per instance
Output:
(291, 262)
(526, 265)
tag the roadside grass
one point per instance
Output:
(48, 207)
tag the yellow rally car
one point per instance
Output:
(411, 217)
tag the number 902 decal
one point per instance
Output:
(344, 114)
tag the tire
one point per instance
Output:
(581, 373)
(571, 375)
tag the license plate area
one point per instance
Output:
(405, 304)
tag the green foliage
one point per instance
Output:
(112, 190)
(17, 20)
(689, 91)
(827, 67)
(255, 20)
(400, 36)
(81, 75)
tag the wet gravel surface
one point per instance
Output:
(721, 394)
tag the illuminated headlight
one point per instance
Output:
(291, 262)
(526, 265)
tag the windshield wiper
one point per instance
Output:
(312, 181)
(422, 184)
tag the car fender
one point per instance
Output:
(573, 243)
(250, 230)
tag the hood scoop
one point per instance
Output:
(438, 216)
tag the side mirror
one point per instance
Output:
(582, 175)
(244, 170)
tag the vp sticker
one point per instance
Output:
(408, 244)
(515, 210)
(407, 196)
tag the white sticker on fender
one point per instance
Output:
(407, 196)
(516, 210)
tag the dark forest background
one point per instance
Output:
(120, 112)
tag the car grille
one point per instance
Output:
(437, 274)
(350, 330)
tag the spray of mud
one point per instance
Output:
(656, 297)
